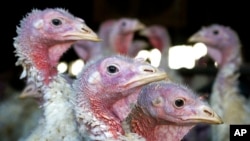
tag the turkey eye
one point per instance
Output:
(112, 69)
(179, 102)
(56, 22)
(215, 32)
(123, 23)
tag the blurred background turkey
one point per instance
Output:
(181, 18)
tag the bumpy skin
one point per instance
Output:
(43, 37)
(102, 83)
(225, 48)
(167, 111)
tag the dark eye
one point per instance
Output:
(179, 102)
(56, 22)
(123, 23)
(215, 32)
(112, 69)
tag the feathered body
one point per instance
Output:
(225, 48)
(43, 37)
(102, 83)
(17, 116)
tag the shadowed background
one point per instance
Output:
(181, 17)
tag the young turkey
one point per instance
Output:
(43, 37)
(224, 47)
(166, 111)
(102, 83)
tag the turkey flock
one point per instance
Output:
(116, 96)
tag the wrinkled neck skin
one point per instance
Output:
(100, 122)
(40, 69)
(122, 42)
(155, 129)
(123, 107)
(39, 57)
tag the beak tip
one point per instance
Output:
(23, 96)
(220, 121)
(99, 40)
(191, 39)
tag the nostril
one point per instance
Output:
(85, 30)
(208, 112)
(149, 70)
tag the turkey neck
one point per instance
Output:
(225, 87)
(230, 65)
(39, 57)
(98, 104)
(58, 110)
(122, 42)
(163, 46)
(155, 129)
(158, 43)
(39, 66)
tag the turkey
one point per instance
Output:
(42, 38)
(166, 111)
(159, 38)
(100, 84)
(224, 47)
(88, 50)
(117, 35)
(122, 34)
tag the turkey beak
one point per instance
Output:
(204, 114)
(30, 91)
(139, 26)
(197, 37)
(147, 75)
(144, 32)
(24, 95)
(82, 32)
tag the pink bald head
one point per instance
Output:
(167, 111)
(44, 35)
(107, 80)
(114, 74)
(223, 43)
